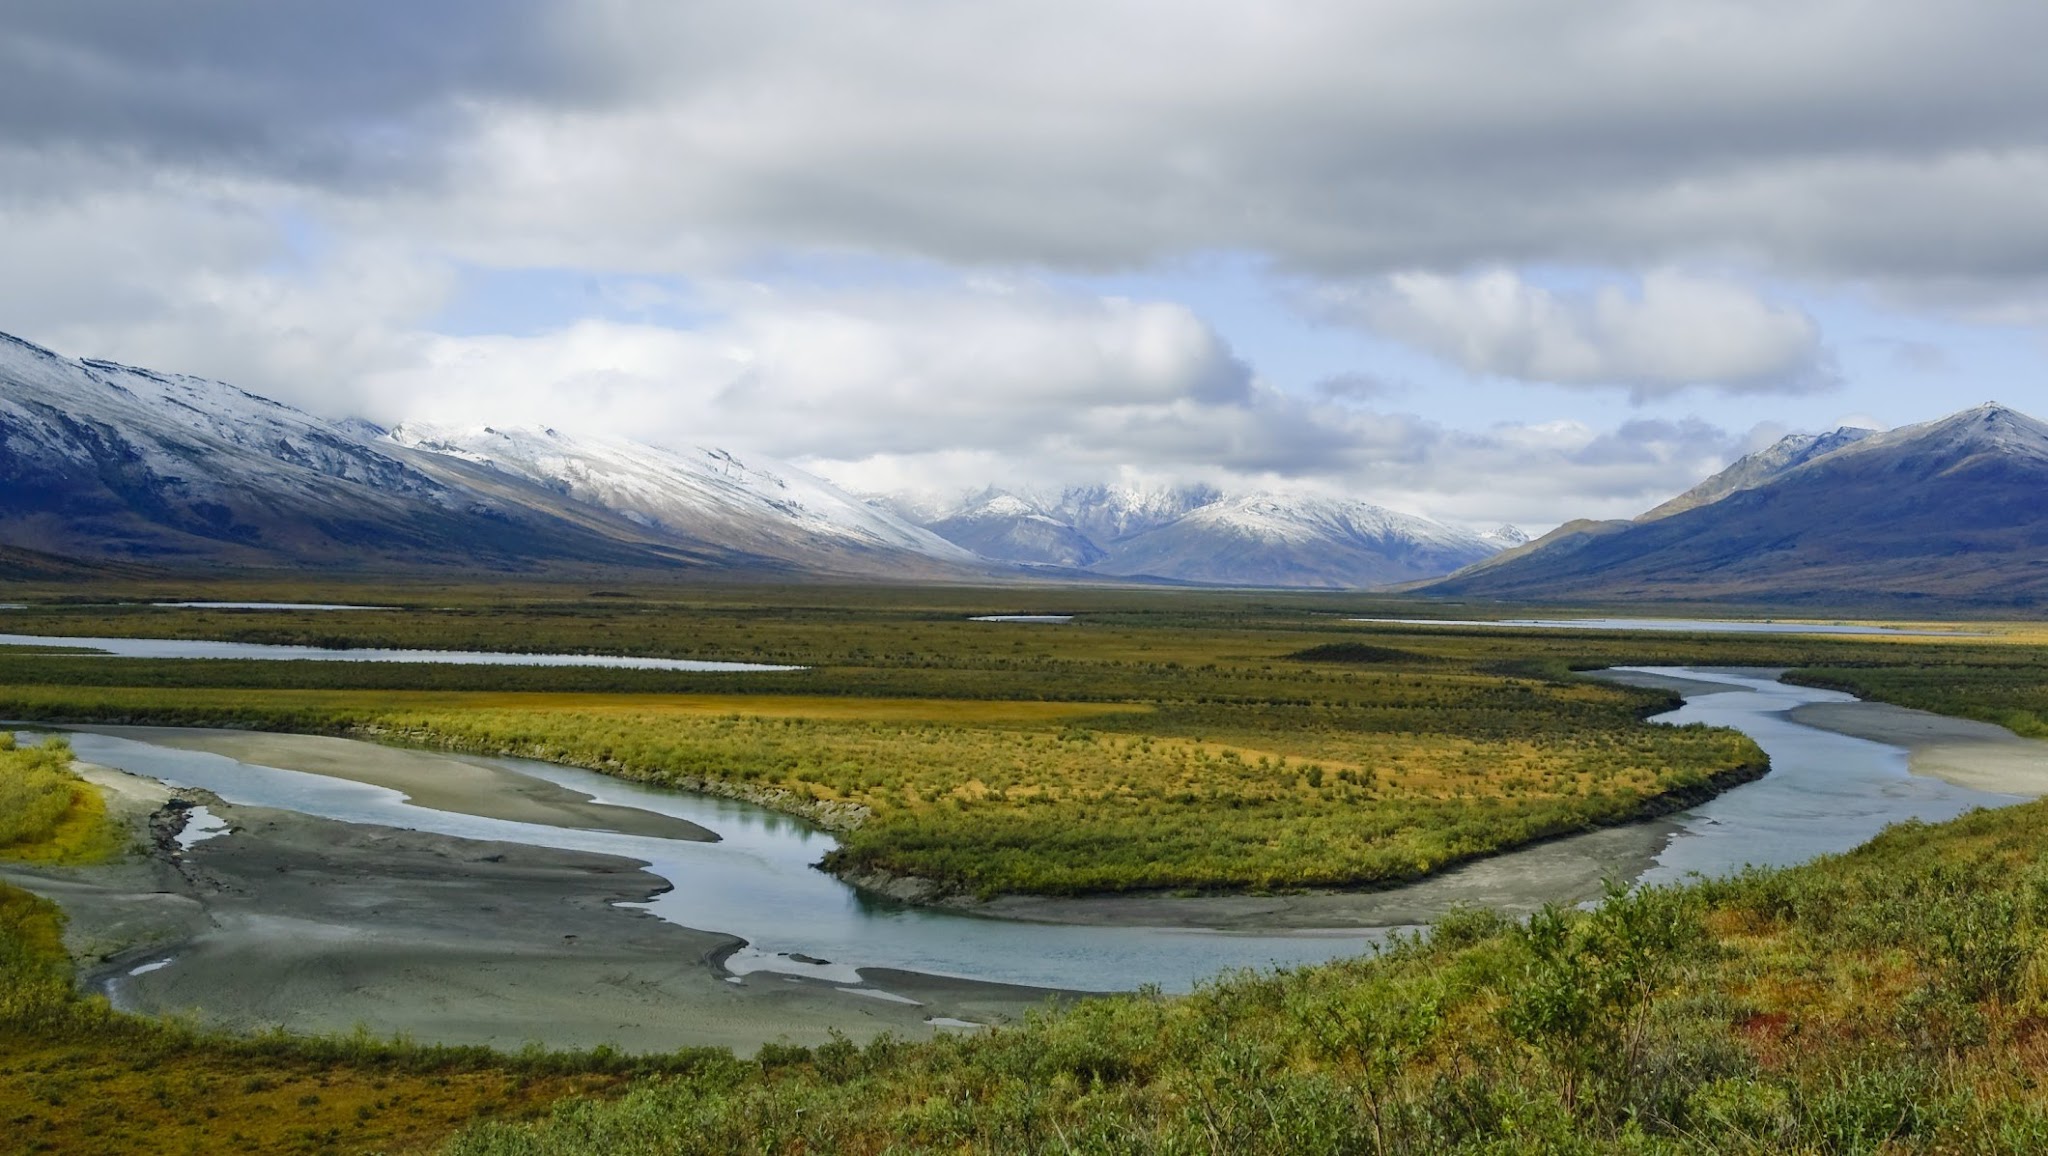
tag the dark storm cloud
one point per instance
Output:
(320, 92)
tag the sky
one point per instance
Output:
(1485, 260)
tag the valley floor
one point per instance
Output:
(1890, 999)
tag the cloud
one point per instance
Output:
(1887, 142)
(280, 195)
(1677, 332)
(342, 94)
(818, 374)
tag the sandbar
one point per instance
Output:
(1979, 755)
(438, 780)
(313, 925)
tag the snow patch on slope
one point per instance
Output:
(700, 491)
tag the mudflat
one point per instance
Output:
(313, 925)
(1979, 755)
(434, 779)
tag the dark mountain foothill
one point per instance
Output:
(1948, 512)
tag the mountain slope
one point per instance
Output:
(106, 461)
(1947, 511)
(1006, 527)
(1787, 454)
(767, 510)
(100, 461)
(1197, 534)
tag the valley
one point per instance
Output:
(985, 767)
(610, 578)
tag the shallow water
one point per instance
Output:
(1825, 793)
(1683, 625)
(1045, 619)
(758, 883)
(189, 648)
(270, 606)
(200, 825)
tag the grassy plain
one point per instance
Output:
(1165, 740)
(1893, 999)
(47, 814)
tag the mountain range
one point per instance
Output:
(1201, 534)
(106, 463)
(1945, 512)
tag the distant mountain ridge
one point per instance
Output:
(1200, 534)
(1947, 511)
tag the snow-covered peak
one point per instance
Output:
(1002, 505)
(1990, 428)
(700, 492)
(1109, 512)
(1506, 537)
(1752, 470)
(1304, 518)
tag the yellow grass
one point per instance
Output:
(84, 835)
(48, 815)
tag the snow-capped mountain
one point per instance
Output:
(113, 463)
(104, 461)
(1108, 513)
(1506, 537)
(100, 460)
(1006, 527)
(1943, 512)
(704, 494)
(1198, 534)
(1296, 540)
(1753, 470)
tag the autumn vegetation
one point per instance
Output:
(1894, 999)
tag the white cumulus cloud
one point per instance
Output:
(1675, 332)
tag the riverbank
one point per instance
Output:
(316, 926)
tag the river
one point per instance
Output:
(1826, 792)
